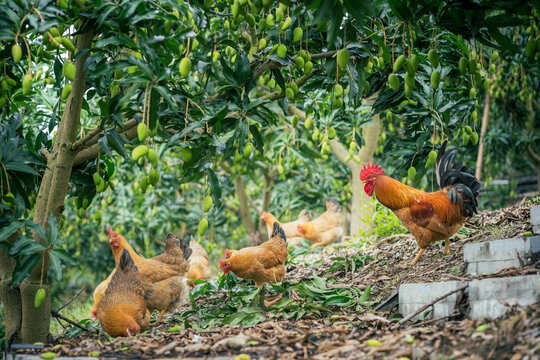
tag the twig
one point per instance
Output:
(473, 237)
(62, 325)
(436, 319)
(392, 238)
(454, 277)
(73, 298)
(60, 316)
(422, 308)
(166, 348)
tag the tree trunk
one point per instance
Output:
(361, 207)
(535, 158)
(244, 205)
(267, 195)
(485, 118)
(11, 297)
(51, 198)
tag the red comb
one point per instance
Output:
(110, 231)
(370, 169)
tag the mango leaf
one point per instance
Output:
(216, 189)
(337, 300)
(400, 9)
(235, 318)
(37, 229)
(53, 229)
(55, 265)
(115, 141)
(10, 229)
(19, 244)
(20, 167)
(31, 248)
(243, 69)
(24, 267)
(153, 111)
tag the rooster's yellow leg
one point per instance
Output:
(315, 245)
(417, 257)
(447, 246)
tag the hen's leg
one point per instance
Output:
(160, 317)
(315, 245)
(446, 246)
(262, 297)
(417, 257)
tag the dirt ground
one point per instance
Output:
(346, 333)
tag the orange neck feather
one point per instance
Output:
(270, 220)
(394, 194)
(123, 244)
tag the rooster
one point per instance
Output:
(325, 229)
(290, 229)
(430, 217)
(262, 264)
(163, 276)
(122, 311)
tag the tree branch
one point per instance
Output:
(82, 141)
(92, 152)
(534, 156)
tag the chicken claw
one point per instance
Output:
(446, 246)
(415, 260)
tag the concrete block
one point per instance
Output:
(492, 256)
(535, 219)
(414, 296)
(491, 298)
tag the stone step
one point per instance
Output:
(535, 219)
(414, 296)
(492, 256)
(491, 298)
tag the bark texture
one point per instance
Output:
(51, 197)
(11, 297)
(485, 118)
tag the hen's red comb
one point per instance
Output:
(110, 231)
(370, 169)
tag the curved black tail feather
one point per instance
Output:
(464, 184)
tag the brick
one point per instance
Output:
(492, 256)
(535, 219)
(491, 298)
(414, 296)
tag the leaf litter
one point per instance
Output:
(324, 309)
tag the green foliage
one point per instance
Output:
(227, 116)
(350, 262)
(385, 222)
(241, 305)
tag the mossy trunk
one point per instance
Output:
(51, 196)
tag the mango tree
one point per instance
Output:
(201, 78)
